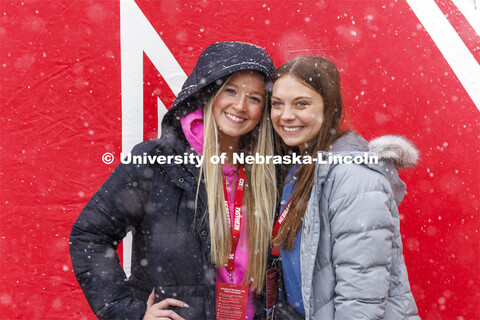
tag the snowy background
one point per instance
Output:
(81, 78)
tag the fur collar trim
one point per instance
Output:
(397, 149)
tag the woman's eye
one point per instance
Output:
(276, 104)
(255, 99)
(230, 91)
(302, 104)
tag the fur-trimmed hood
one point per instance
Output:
(393, 152)
(396, 149)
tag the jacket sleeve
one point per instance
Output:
(115, 209)
(362, 234)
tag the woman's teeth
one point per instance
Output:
(291, 129)
(234, 118)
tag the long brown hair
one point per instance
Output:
(322, 76)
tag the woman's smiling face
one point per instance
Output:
(238, 107)
(297, 112)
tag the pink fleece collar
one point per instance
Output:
(192, 125)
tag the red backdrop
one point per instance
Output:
(61, 110)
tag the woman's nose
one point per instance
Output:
(287, 114)
(240, 103)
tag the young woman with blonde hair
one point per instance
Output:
(194, 229)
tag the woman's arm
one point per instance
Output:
(115, 209)
(362, 234)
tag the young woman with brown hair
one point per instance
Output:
(339, 229)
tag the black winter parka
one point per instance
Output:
(157, 202)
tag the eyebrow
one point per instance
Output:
(294, 99)
(254, 92)
(302, 98)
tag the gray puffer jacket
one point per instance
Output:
(352, 264)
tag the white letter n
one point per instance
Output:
(136, 37)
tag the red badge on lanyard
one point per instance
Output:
(272, 290)
(231, 301)
(232, 297)
(278, 224)
(273, 273)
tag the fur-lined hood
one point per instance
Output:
(396, 149)
(393, 152)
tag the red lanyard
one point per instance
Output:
(278, 224)
(238, 217)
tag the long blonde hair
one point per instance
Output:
(259, 196)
